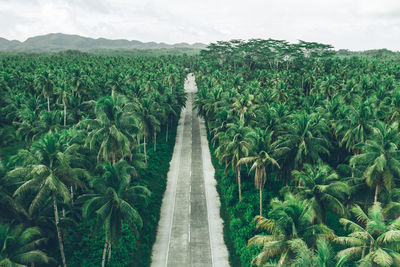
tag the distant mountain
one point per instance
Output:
(60, 41)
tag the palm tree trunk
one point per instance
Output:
(239, 184)
(155, 140)
(261, 197)
(144, 147)
(138, 141)
(103, 258)
(65, 115)
(166, 132)
(72, 194)
(48, 104)
(109, 251)
(113, 159)
(376, 193)
(60, 241)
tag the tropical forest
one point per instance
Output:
(112, 159)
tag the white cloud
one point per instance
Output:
(353, 24)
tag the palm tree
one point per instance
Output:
(48, 172)
(237, 145)
(145, 112)
(114, 200)
(19, 246)
(113, 129)
(115, 82)
(288, 221)
(79, 81)
(44, 82)
(261, 161)
(357, 125)
(243, 104)
(10, 208)
(303, 140)
(62, 92)
(323, 256)
(372, 239)
(321, 185)
(380, 158)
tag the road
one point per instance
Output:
(190, 230)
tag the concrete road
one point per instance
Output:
(190, 231)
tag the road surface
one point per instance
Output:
(190, 231)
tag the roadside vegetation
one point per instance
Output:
(306, 146)
(85, 145)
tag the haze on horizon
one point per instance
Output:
(349, 24)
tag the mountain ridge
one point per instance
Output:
(61, 41)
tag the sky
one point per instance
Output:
(345, 24)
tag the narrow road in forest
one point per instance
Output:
(190, 231)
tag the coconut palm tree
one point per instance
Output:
(10, 208)
(322, 256)
(303, 140)
(261, 161)
(237, 146)
(47, 171)
(44, 82)
(288, 221)
(380, 157)
(19, 246)
(114, 200)
(372, 240)
(145, 112)
(112, 132)
(357, 125)
(321, 185)
(63, 91)
(243, 104)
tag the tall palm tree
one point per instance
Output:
(19, 246)
(63, 91)
(116, 81)
(303, 140)
(79, 81)
(261, 161)
(243, 104)
(372, 239)
(380, 157)
(112, 132)
(237, 145)
(145, 112)
(44, 81)
(357, 125)
(47, 169)
(288, 221)
(114, 200)
(321, 185)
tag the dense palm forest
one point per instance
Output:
(307, 152)
(85, 144)
(305, 143)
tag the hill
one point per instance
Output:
(59, 42)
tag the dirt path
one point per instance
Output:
(190, 229)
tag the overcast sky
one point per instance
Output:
(352, 24)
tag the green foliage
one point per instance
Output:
(66, 142)
(332, 128)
